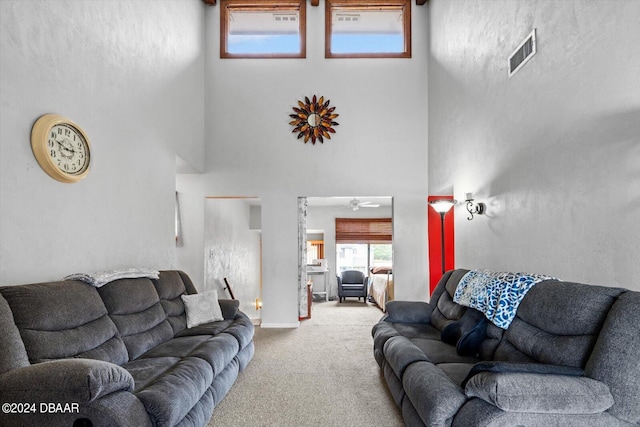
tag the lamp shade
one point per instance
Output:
(442, 205)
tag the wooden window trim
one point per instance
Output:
(261, 6)
(364, 5)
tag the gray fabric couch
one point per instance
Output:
(571, 357)
(119, 355)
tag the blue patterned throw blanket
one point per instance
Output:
(496, 294)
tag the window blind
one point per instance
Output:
(363, 230)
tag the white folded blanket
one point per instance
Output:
(101, 278)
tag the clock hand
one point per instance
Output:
(65, 147)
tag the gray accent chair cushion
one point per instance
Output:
(352, 283)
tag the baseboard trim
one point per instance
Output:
(280, 325)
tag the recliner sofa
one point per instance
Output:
(570, 357)
(119, 355)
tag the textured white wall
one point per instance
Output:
(555, 150)
(232, 250)
(131, 74)
(189, 256)
(380, 147)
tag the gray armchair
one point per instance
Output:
(352, 283)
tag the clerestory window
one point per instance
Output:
(263, 29)
(368, 29)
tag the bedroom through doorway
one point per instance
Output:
(345, 233)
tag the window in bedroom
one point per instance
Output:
(368, 29)
(263, 29)
(363, 243)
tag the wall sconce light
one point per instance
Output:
(473, 207)
(258, 304)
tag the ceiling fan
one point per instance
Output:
(356, 204)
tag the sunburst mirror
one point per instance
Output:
(314, 119)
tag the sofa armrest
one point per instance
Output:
(229, 308)
(540, 393)
(66, 380)
(408, 312)
(525, 368)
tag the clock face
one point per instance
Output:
(68, 149)
(61, 148)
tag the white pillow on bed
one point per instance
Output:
(202, 308)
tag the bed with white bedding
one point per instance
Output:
(381, 286)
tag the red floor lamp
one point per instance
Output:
(442, 206)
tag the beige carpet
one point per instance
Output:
(321, 374)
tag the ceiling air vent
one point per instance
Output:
(523, 53)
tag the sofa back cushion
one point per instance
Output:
(614, 359)
(13, 354)
(557, 323)
(64, 319)
(170, 286)
(445, 311)
(134, 307)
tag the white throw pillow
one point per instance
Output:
(202, 308)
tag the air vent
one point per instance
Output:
(523, 53)
(285, 18)
(347, 18)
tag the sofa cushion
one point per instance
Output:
(213, 328)
(457, 372)
(440, 352)
(467, 333)
(13, 354)
(217, 350)
(202, 308)
(540, 393)
(68, 380)
(64, 319)
(615, 359)
(477, 412)
(417, 330)
(172, 387)
(134, 307)
(434, 396)
(557, 323)
(229, 308)
(170, 286)
(446, 311)
(400, 353)
(242, 329)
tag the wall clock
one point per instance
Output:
(314, 119)
(61, 148)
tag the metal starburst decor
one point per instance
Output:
(314, 119)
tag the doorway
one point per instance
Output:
(233, 250)
(320, 227)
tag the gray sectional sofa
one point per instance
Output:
(571, 357)
(72, 354)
